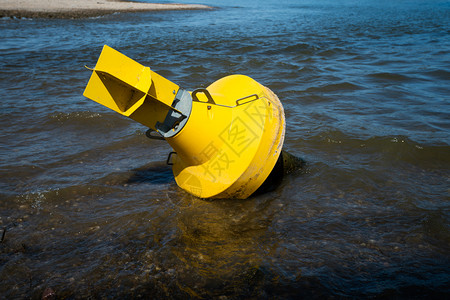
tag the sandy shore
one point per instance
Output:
(81, 8)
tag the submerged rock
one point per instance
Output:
(48, 294)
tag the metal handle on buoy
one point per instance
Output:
(207, 94)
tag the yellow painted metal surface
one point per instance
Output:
(228, 151)
(233, 135)
(130, 89)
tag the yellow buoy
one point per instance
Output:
(226, 138)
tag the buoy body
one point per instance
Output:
(226, 138)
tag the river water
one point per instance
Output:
(90, 209)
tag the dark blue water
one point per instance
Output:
(89, 208)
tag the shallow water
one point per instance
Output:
(90, 209)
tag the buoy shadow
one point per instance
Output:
(161, 173)
(155, 172)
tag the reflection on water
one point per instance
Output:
(90, 209)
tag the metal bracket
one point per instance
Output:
(168, 161)
(154, 135)
(176, 118)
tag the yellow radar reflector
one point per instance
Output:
(130, 89)
(226, 138)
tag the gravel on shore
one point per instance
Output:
(72, 9)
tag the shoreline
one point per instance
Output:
(77, 9)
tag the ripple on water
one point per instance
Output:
(91, 210)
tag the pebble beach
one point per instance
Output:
(81, 8)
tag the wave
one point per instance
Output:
(87, 119)
(390, 76)
(395, 149)
(61, 116)
(299, 49)
(438, 74)
(343, 86)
